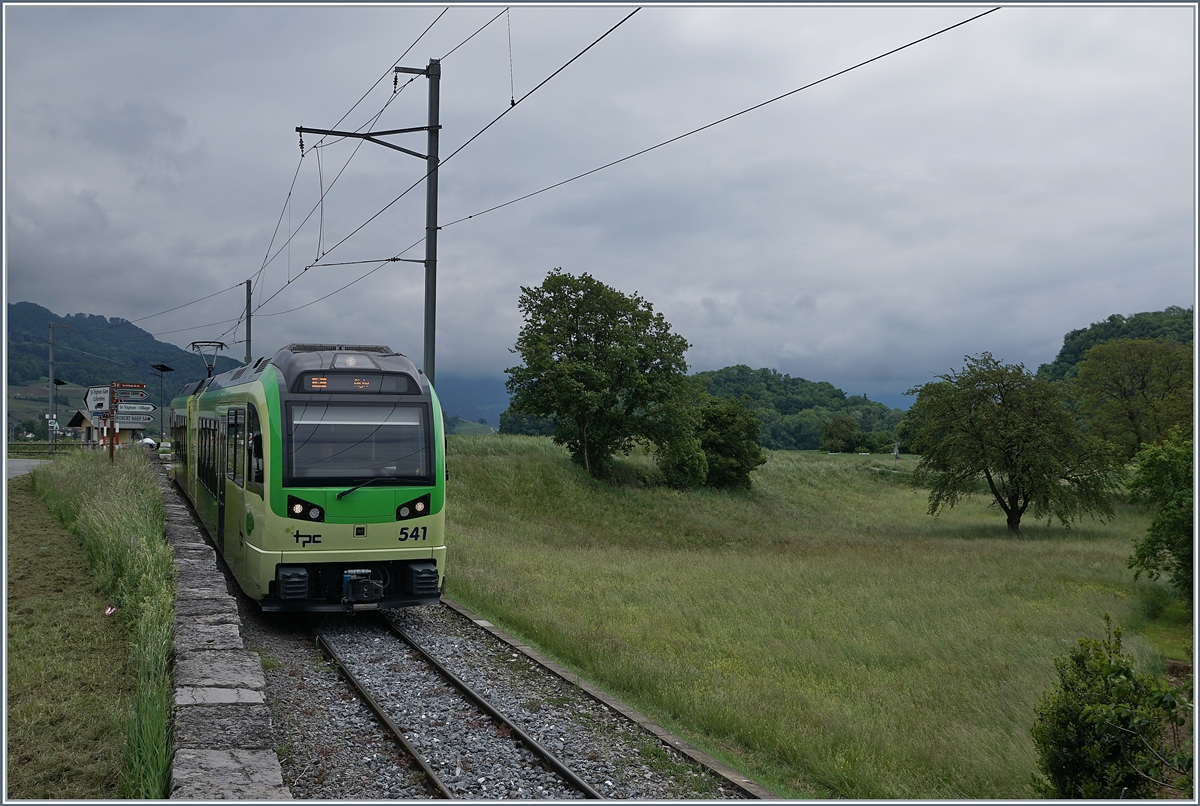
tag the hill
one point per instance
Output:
(1174, 323)
(95, 350)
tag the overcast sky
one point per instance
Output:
(991, 188)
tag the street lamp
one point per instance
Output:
(162, 368)
(52, 420)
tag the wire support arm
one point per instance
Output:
(372, 137)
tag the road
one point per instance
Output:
(18, 467)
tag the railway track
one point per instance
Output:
(465, 746)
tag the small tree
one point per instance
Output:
(1163, 482)
(998, 423)
(603, 364)
(729, 432)
(839, 433)
(1100, 731)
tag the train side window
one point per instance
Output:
(254, 451)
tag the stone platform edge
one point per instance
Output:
(224, 745)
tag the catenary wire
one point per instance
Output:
(714, 123)
(610, 164)
(151, 316)
(477, 134)
(472, 36)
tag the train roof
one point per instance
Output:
(297, 358)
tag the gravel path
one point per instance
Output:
(332, 747)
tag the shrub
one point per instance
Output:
(1163, 482)
(1100, 730)
(839, 433)
(729, 432)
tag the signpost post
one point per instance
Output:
(119, 394)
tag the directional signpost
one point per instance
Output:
(119, 395)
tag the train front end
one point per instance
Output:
(356, 500)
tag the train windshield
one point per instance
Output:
(335, 443)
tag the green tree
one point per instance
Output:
(605, 366)
(1133, 391)
(1100, 730)
(729, 432)
(1163, 482)
(998, 423)
(839, 433)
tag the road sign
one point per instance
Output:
(136, 408)
(118, 385)
(134, 418)
(97, 398)
(130, 394)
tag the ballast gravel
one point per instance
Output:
(332, 747)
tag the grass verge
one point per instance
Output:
(116, 511)
(820, 632)
(69, 686)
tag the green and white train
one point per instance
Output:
(320, 475)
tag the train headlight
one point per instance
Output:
(416, 508)
(303, 510)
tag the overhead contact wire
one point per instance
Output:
(480, 132)
(716, 122)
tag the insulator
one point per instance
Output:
(302, 144)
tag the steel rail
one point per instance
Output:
(558, 766)
(391, 726)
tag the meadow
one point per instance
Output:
(820, 632)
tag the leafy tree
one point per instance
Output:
(1100, 730)
(839, 433)
(1163, 481)
(1174, 324)
(729, 433)
(604, 365)
(998, 423)
(1133, 391)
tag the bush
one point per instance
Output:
(1163, 482)
(839, 433)
(729, 432)
(1100, 730)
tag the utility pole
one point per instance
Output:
(434, 73)
(51, 422)
(431, 227)
(247, 321)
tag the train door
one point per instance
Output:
(255, 517)
(234, 480)
(222, 453)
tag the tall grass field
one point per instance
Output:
(820, 632)
(116, 511)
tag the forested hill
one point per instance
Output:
(96, 350)
(792, 410)
(1173, 324)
